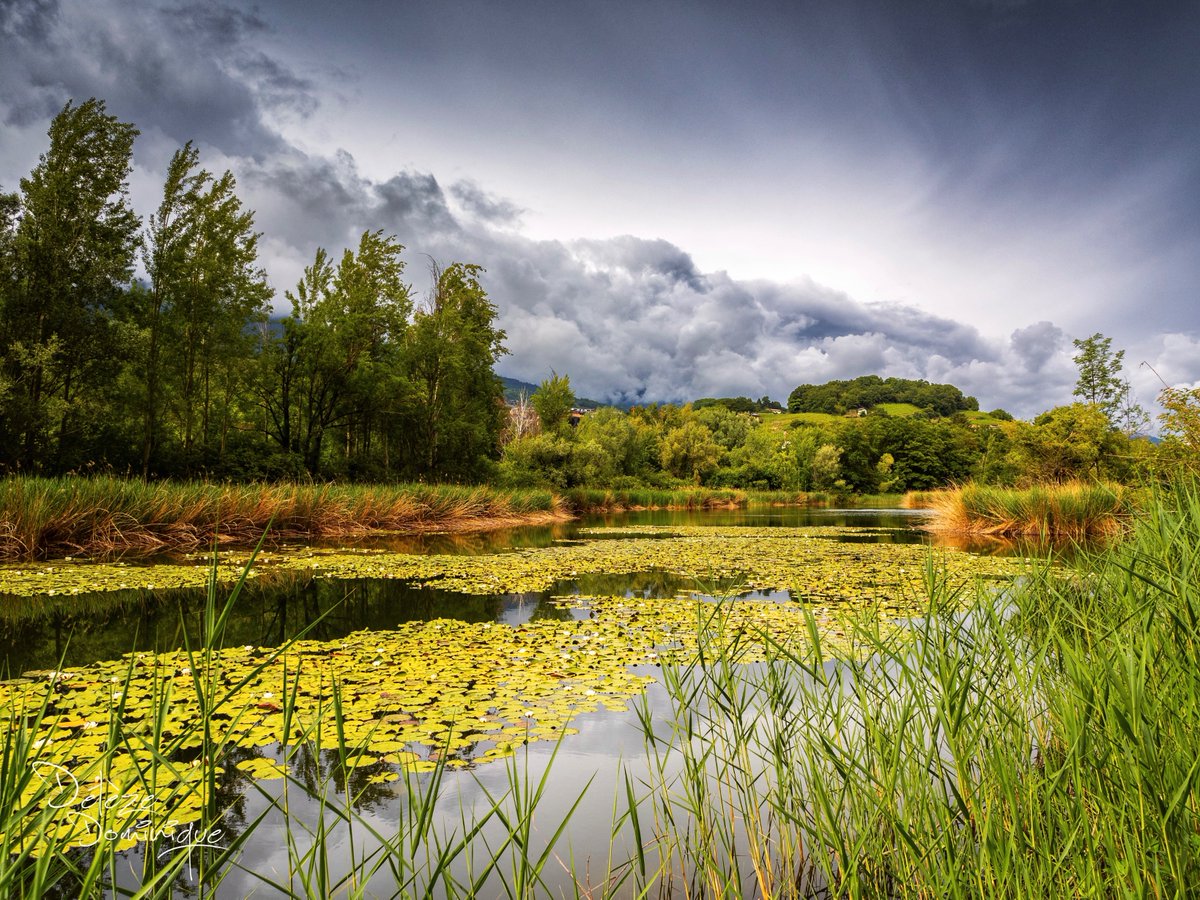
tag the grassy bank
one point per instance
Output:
(1074, 510)
(49, 517)
(43, 518)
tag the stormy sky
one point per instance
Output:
(685, 199)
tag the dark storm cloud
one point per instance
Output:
(633, 319)
(996, 116)
(414, 203)
(308, 201)
(188, 71)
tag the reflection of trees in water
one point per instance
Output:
(266, 613)
(468, 542)
(543, 608)
(322, 774)
(38, 633)
(651, 584)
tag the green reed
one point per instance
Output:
(1074, 510)
(1045, 742)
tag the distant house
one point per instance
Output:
(856, 413)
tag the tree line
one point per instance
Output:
(736, 443)
(184, 372)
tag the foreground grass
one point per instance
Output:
(1074, 510)
(46, 517)
(1046, 743)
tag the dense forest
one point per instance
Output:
(183, 373)
(180, 372)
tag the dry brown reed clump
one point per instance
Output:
(47, 517)
(1070, 510)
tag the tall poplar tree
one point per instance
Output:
(207, 290)
(72, 251)
(456, 404)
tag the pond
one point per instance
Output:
(549, 642)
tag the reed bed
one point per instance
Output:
(48, 517)
(1075, 510)
(794, 498)
(923, 499)
(601, 500)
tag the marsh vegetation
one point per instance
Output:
(935, 734)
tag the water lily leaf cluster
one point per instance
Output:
(459, 692)
(803, 560)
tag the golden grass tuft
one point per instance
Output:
(1073, 510)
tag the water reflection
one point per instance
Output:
(266, 614)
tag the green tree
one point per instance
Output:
(336, 364)
(300, 385)
(1102, 384)
(1100, 381)
(451, 350)
(215, 290)
(826, 468)
(1180, 422)
(729, 427)
(689, 451)
(72, 251)
(1065, 443)
(630, 451)
(553, 401)
(10, 206)
(761, 461)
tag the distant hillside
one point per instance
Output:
(869, 391)
(513, 388)
(786, 421)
